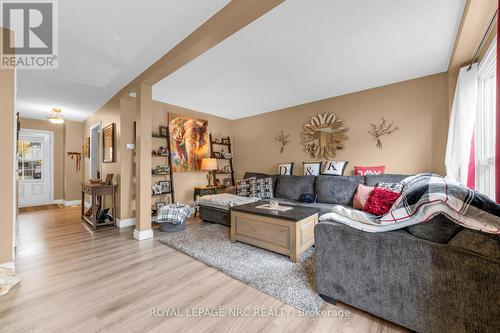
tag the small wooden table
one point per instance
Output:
(288, 232)
(96, 190)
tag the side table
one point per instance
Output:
(96, 190)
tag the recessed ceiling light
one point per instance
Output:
(56, 117)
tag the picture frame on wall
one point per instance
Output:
(108, 144)
(285, 169)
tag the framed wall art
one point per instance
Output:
(108, 144)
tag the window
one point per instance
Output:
(29, 160)
(485, 124)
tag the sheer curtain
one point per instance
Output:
(462, 122)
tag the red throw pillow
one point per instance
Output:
(372, 170)
(381, 201)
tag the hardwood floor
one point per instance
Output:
(76, 280)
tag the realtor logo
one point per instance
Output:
(29, 40)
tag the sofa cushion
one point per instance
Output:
(260, 175)
(373, 180)
(361, 196)
(337, 189)
(261, 188)
(291, 187)
(257, 175)
(439, 229)
(244, 186)
(487, 245)
(324, 208)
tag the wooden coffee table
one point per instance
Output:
(288, 232)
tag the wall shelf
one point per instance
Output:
(228, 145)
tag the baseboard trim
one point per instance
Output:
(143, 234)
(9, 265)
(123, 223)
(58, 202)
(72, 202)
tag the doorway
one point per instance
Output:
(35, 167)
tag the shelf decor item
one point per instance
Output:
(163, 130)
(324, 135)
(165, 186)
(162, 170)
(156, 189)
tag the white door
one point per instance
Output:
(34, 159)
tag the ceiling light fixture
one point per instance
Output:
(56, 117)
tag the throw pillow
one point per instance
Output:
(394, 187)
(308, 197)
(370, 170)
(243, 188)
(335, 168)
(380, 201)
(285, 169)
(261, 188)
(361, 197)
(312, 168)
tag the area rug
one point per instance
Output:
(269, 272)
(31, 209)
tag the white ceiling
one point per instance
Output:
(103, 45)
(306, 50)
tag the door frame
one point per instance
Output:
(51, 153)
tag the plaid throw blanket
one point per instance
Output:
(175, 213)
(423, 197)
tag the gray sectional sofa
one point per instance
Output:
(432, 277)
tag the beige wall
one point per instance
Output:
(73, 142)
(7, 137)
(419, 107)
(67, 137)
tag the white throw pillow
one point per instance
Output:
(335, 168)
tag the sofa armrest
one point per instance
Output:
(421, 285)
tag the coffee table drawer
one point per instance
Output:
(272, 234)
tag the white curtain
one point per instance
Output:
(463, 118)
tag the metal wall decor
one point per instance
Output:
(283, 140)
(382, 129)
(324, 135)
